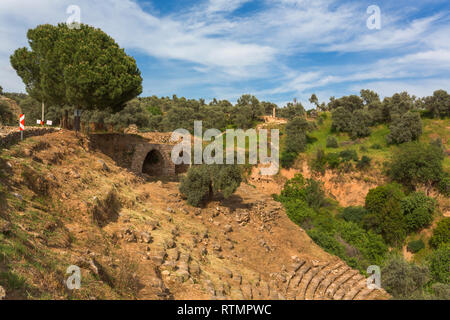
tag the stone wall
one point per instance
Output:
(10, 136)
(129, 151)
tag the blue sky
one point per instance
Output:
(275, 49)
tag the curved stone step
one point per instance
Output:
(363, 294)
(356, 288)
(330, 292)
(318, 279)
(306, 281)
(329, 279)
(347, 286)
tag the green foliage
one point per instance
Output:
(332, 142)
(81, 67)
(348, 155)
(291, 111)
(444, 184)
(405, 128)
(318, 163)
(333, 160)
(418, 210)
(440, 264)
(306, 205)
(360, 124)
(441, 234)
(196, 185)
(364, 163)
(287, 159)
(415, 246)
(6, 116)
(438, 105)
(416, 163)
(296, 130)
(202, 182)
(403, 280)
(384, 213)
(341, 119)
(353, 214)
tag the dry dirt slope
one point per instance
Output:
(134, 237)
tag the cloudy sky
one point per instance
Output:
(275, 49)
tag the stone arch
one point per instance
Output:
(153, 163)
(153, 159)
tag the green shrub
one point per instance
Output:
(296, 130)
(202, 182)
(384, 214)
(415, 246)
(403, 280)
(441, 234)
(354, 214)
(299, 212)
(444, 184)
(440, 264)
(333, 160)
(319, 161)
(405, 128)
(416, 163)
(364, 163)
(376, 146)
(348, 155)
(418, 210)
(314, 194)
(288, 159)
(332, 142)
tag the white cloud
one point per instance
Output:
(222, 50)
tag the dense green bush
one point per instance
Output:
(360, 124)
(444, 184)
(348, 155)
(319, 161)
(418, 210)
(405, 128)
(416, 163)
(307, 206)
(296, 130)
(403, 280)
(341, 118)
(364, 163)
(384, 214)
(438, 105)
(332, 142)
(6, 116)
(202, 182)
(415, 246)
(353, 214)
(333, 160)
(440, 264)
(441, 234)
(287, 159)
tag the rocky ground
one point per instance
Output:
(135, 237)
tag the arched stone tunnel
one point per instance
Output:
(138, 154)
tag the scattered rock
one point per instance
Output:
(169, 244)
(2, 293)
(146, 237)
(228, 228)
(104, 166)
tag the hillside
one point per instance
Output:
(62, 204)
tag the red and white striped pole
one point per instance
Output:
(21, 125)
